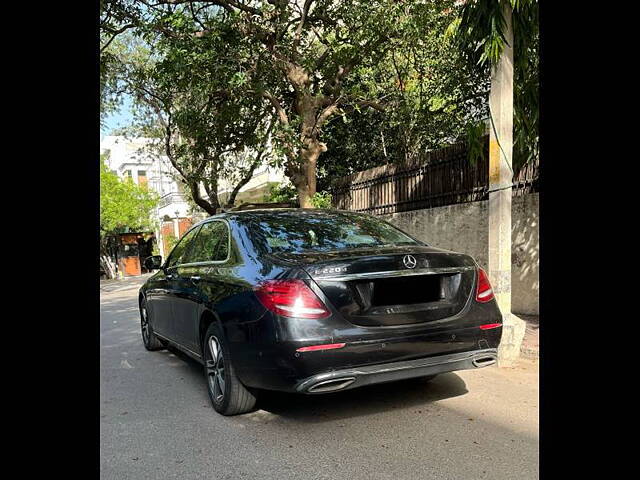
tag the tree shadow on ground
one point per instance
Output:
(393, 396)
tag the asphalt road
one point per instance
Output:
(156, 421)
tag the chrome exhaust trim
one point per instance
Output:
(355, 377)
(484, 360)
(331, 385)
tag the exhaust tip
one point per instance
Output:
(484, 360)
(331, 385)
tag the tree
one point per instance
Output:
(206, 133)
(114, 20)
(433, 97)
(300, 56)
(124, 206)
(479, 31)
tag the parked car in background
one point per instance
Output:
(315, 301)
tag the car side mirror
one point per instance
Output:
(153, 263)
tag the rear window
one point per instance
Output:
(295, 232)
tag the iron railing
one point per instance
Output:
(443, 177)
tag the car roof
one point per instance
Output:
(284, 210)
(273, 211)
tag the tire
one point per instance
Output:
(149, 339)
(228, 396)
(428, 378)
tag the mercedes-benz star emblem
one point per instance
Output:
(409, 261)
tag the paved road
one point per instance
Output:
(156, 421)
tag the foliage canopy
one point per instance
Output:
(124, 206)
(319, 87)
(479, 33)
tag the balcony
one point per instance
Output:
(170, 198)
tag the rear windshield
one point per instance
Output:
(295, 232)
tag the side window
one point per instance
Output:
(211, 244)
(182, 248)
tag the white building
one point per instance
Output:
(256, 189)
(133, 157)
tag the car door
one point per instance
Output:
(210, 249)
(165, 294)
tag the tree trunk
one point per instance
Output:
(244, 180)
(201, 202)
(305, 178)
(304, 196)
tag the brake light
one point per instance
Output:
(484, 292)
(291, 298)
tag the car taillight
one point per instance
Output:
(291, 298)
(484, 292)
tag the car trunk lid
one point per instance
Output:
(388, 286)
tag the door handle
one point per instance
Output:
(195, 279)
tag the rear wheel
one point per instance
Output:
(228, 396)
(149, 339)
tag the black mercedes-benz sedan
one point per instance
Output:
(315, 301)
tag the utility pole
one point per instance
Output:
(500, 181)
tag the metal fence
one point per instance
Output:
(443, 177)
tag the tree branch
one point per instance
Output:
(115, 33)
(245, 179)
(282, 115)
(326, 113)
(201, 202)
(303, 19)
(195, 18)
(374, 105)
(249, 174)
(228, 5)
(343, 70)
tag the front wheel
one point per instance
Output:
(149, 339)
(227, 394)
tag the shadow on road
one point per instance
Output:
(406, 394)
(394, 396)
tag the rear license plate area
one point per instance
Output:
(408, 290)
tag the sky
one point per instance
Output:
(117, 119)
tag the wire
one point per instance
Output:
(502, 188)
(493, 125)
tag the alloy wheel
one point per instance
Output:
(215, 369)
(145, 324)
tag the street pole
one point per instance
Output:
(159, 239)
(176, 225)
(500, 193)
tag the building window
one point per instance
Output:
(142, 177)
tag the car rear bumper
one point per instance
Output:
(278, 363)
(357, 377)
